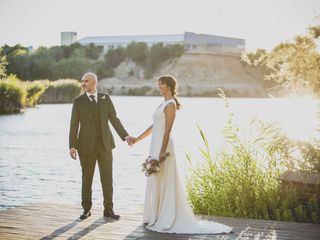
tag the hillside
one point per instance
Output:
(197, 75)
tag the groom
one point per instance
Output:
(91, 137)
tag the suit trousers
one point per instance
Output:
(88, 163)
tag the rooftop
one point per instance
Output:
(133, 38)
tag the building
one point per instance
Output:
(110, 42)
(193, 42)
(211, 43)
(67, 38)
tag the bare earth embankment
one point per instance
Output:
(197, 75)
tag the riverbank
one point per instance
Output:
(16, 95)
(197, 75)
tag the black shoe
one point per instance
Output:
(85, 214)
(110, 214)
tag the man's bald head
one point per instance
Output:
(90, 75)
(89, 82)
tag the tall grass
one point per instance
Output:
(34, 92)
(13, 96)
(242, 179)
(60, 91)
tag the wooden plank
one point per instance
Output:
(61, 221)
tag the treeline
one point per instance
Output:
(60, 62)
(16, 95)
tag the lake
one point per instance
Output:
(34, 158)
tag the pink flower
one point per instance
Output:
(151, 166)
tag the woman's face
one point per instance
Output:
(163, 88)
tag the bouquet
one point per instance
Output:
(151, 166)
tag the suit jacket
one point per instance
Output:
(82, 135)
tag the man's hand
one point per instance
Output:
(130, 140)
(73, 153)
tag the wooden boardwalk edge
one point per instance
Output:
(61, 221)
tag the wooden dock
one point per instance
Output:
(61, 221)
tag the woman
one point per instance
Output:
(166, 208)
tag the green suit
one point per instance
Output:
(90, 134)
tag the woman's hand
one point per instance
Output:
(135, 140)
(163, 156)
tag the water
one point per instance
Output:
(34, 159)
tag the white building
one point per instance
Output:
(67, 38)
(192, 42)
(205, 43)
(110, 42)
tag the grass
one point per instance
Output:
(242, 179)
(34, 92)
(13, 96)
(60, 91)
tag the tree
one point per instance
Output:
(294, 66)
(176, 50)
(20, 65)
(15, 50)
(56, 53)
(114, 57)
(158, 53)
(102, 71)
(70, 51)
(137, 51)
(3, 64)
(71, 68)
(93, 52)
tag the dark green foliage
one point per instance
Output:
(93, 52)
(71, 68)
(73, 61)
(138, 52)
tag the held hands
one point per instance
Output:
(73, 153)
(130, 140)
(135, 140)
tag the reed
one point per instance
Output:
(242, 178)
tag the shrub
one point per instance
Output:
(61, 91)
(12, 96)
(34, 92)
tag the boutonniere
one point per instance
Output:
(103, 97)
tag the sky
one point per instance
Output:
(262, 23)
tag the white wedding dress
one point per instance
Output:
(166, 208)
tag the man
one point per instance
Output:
(91, 112)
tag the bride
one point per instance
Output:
(166, 208)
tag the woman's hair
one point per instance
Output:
(171, 82)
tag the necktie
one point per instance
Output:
(93, 99)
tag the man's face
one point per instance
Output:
(88, 83)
